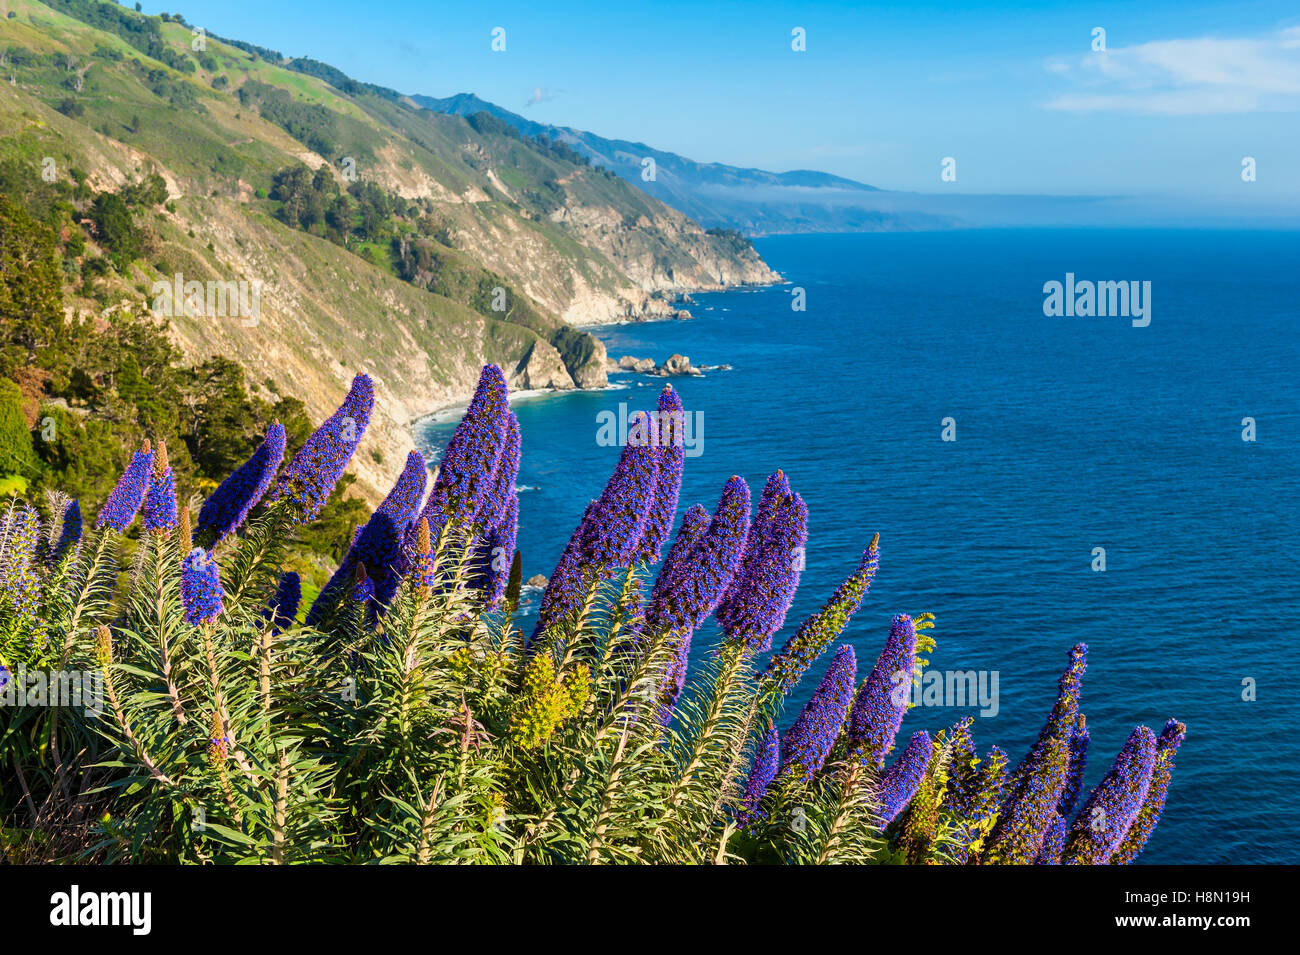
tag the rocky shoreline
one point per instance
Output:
(674, 366)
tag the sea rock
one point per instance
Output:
(643, 365)
(589, 371)
(541, 367)
(583, 355)
(537, 580)
(676, 366)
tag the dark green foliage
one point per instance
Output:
(116, 230)
(735, 242)
(575, 346)
(223, 422)
(31, 300)
(150, 191)
(164, 85)
(142, 32)
(314, 126)
(304, 196)
(340, 80)
(488, 125)
(16, 453)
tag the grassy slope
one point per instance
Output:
(567, 237)
(325, 312)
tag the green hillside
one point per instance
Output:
(381, 237)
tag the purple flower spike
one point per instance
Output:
(125, 499)
(498, 553)
(1136, 839)
(363, 588)
(900, 781)
(69, 542)
(283, 609)
(1053, 841)
(1105, 818)
(20, 585)
(380, 541)
(620, 513)
(821, 630)
(695, 522)
(160, 500)
(201, 587)
(808, 742)
(675, 676)
(1064, 717)
(502, 490)
(671, 423)
(238, 494)
(1029, 809)
(160, 504)
(495, 549)
(882, 702)
(767, 760)
(316, 468)
(763, 589)
(1035, 789)
(470, 461)
(1078, 763)
(377, 544)
(568, 584)
(697, 582)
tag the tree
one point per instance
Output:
(150, 191)
(31, 295)
(116, 229)
(226, 424)
(17, 454)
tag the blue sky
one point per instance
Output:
(1014, 92)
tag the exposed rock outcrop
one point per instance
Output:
(674, 367)
(541, 367)
(643, 365)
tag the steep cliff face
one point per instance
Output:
(423, 351)
(664, 252)
(529, 239)
(579, 241)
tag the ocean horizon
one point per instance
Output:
(1066, 435)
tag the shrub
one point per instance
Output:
(413, 721)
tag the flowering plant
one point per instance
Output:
(402, 715)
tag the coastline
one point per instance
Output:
(455, 407)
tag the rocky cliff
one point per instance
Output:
(116, 95)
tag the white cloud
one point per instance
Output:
(540, 95)
(1186, 76)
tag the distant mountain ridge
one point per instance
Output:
(757, 202)
(752, 201)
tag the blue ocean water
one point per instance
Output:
(1072, 434)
